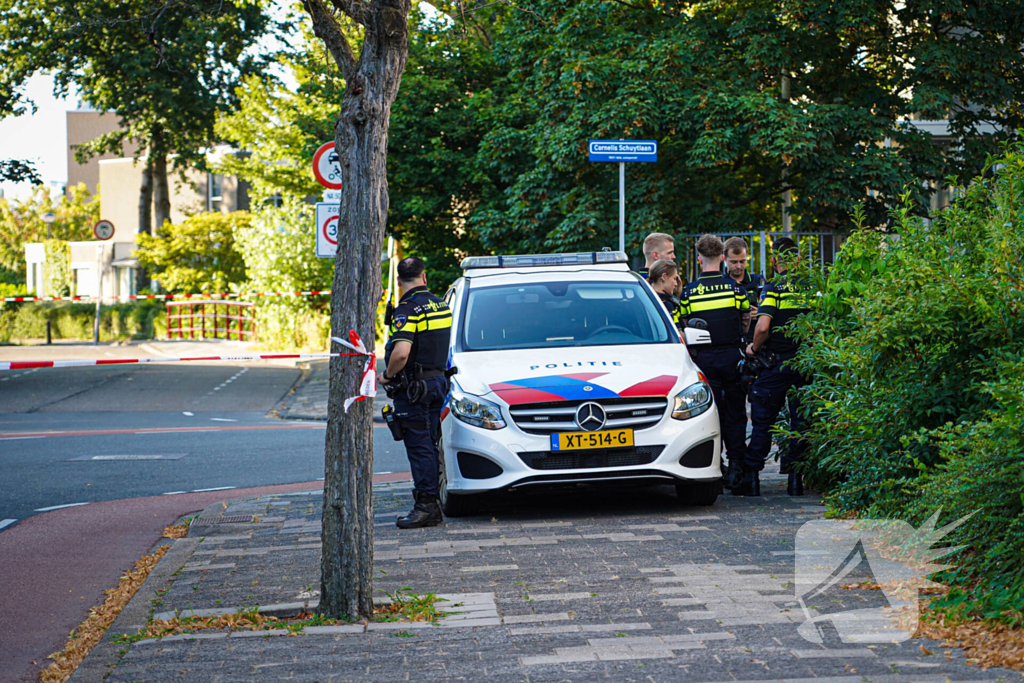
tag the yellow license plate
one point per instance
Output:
(609, 438)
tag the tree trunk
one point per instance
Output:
(161, 190)
(146, 200)
(361, 139)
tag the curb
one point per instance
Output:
(105, 656)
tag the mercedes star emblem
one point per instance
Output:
(590, 417)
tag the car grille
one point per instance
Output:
(589, 459)
(560, 416)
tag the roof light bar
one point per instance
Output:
(587, 258)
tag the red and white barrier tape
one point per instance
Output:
(133, 297)
(25, 365)
(368, 385)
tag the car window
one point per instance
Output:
(555, 314)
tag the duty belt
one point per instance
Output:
(433, 373)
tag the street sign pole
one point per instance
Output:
(622, 206)
(623, 151)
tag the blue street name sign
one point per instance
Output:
(623, 150)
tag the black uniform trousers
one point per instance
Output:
(421, 423)
(719, 365)
(767, 398)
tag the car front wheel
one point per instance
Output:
(452, 504)
(697, 493)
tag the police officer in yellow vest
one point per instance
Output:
(782, 299)
(415, 360)
(723, 305)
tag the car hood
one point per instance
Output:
(592, 372)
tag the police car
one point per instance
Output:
(568, 369)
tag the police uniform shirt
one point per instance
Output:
(782, 302)
(672, 304)
(719, 301)
(424, 321)
(751, 283)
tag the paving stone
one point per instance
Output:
(643, 592)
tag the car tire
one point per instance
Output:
(452, 504)
(698, 493)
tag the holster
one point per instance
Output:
(393, 423)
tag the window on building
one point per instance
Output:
(274, 200)
(215, 190)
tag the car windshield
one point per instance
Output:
(553, 314)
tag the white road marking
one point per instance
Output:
(215, 488)
(17, 438)
(164, 456)
(174, 493)
(222, 419)
(6, 522)
(59, 507)
(185, 412)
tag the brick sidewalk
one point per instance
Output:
(308, 400)
(621, 584)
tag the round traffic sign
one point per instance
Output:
(103, 230)
(330, 229)
(327, 167)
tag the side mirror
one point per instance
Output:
(694, 336)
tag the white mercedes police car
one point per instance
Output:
(570, 370)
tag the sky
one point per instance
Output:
(41, 137)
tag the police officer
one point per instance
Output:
(418, 351)
(736, 260)
(781, 301)
(723, 305)
(658, 246)
(664, 280)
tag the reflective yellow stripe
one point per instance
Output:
(726, 304)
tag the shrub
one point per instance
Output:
(196, 255)
(133, 320)
(278, 250)
(916, 351)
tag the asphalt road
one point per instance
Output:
(87, 434)
(95, 461)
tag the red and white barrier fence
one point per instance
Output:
(133, 297)
(367, 386)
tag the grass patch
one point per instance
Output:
(405, 605)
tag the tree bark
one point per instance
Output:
(146, 200)
(161, 190)
(361, 139)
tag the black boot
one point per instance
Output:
(426, 512)
(734, 476)
(750, 486)
(795, 487)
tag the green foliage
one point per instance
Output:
(132, 320)
(166, 69)
(277, 247)
(705, 80)
(197, 255)
(436, 126)
(57, 268)
(21, 222)
(18, 171)
(917, 356)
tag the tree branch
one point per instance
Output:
(327, 29)
(353, 9)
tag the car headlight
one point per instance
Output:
(692, 401)
(476, 411)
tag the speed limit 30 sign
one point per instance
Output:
(327, 229)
